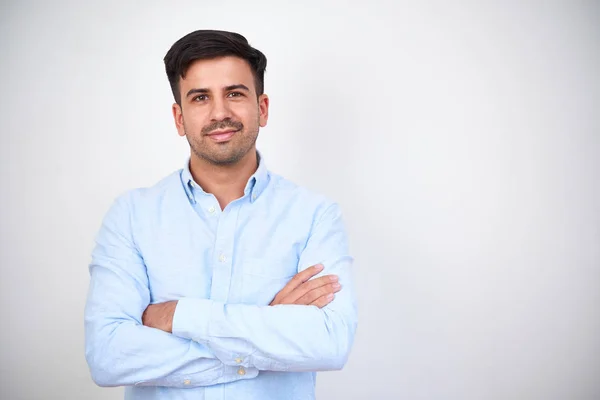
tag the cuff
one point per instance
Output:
(191, 319)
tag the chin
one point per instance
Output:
(224, 159)
(222, 154)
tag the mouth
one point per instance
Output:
(222, 136)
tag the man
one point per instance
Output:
(224, 280)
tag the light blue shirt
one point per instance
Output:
(173, 242)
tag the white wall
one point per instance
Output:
(463, 142)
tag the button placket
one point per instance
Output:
(223, 248)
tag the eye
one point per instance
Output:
(200, 97)
(235, 94)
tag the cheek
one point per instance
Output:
(195, 120)
(248, 115)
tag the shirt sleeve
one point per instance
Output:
(120, 351)
(283, 337)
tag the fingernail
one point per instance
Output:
(336, 285)
(330, 296)
(319, 267)
(333, 278)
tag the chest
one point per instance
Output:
(243, 255)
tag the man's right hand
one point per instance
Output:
(300, 290)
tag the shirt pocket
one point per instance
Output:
(263, 279)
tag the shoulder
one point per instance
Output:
(302, 197)
(148, 196)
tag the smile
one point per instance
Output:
(222, 136)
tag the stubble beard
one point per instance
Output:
(228, 153)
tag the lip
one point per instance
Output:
(222, 136)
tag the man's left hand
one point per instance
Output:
(160, 316)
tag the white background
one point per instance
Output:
(462, 141)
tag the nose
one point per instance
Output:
(220, 110)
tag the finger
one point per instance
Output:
(319, 292)
(323, 300)
(306, 287)
(299, 279)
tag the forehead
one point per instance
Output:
(216, 73)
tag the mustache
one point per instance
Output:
(220, 125)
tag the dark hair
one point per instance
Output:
(207, 44)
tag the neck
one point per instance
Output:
(225, 182)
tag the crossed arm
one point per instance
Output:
(300, 290)
(302, 329)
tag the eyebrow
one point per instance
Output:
(235, 87)
(226, 88)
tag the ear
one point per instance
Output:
(263, 108)
(178, 117)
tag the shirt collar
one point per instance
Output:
(258, 181)
(254, 188)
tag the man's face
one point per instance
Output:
(220, 114)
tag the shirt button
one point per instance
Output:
(253, 197)
(211, 210)
(241, 371)
(238, 360)
(222, 258)
(187, 382)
